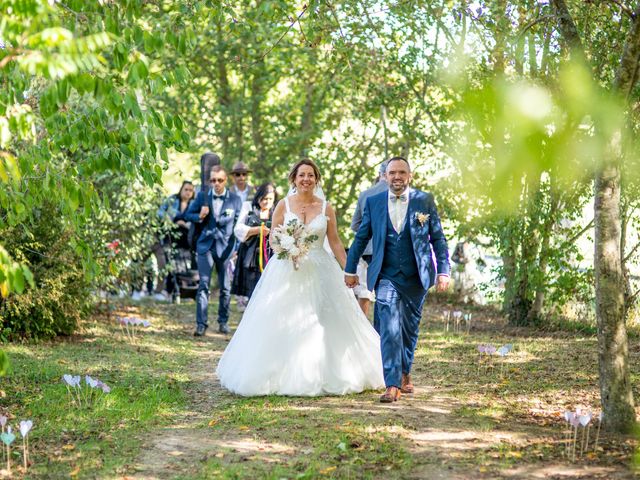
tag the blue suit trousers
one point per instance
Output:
(206, 262)
(396, 318)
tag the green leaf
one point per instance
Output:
(5, 133)
(18, 280)
(4, 363)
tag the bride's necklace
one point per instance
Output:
(303, 209)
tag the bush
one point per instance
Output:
(121, 234)
(61, 296)
(70, 263)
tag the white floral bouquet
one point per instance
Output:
(293, 241)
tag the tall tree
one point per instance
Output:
(613, 348)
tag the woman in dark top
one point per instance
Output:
(254, 252)
(176, 242)
(174, 207)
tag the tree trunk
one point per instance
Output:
(519, 53)
(615, 384)
(544, 62)
(566, 25)
(499, 12)
(533, 63)
(613, 351)
(306, 122)
(256, 89)
(546, 231)
(508, 255)
(224, 93)
(528, 246)
(383, 118)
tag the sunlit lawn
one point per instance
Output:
(465, 416)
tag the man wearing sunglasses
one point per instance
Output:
(218, 210)
(241, 187)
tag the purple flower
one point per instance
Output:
(3, 421)
(103, 386)
(90, 381)
(72, 381)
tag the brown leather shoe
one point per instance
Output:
(407, 386)
(391, 395)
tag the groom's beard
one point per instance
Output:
(397, 188)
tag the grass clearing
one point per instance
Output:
(166, 416)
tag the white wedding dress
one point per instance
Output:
(303, 332)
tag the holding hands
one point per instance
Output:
(351, 281)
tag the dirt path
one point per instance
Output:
(170, 451)
(443, 443)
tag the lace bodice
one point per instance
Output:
(317, 226)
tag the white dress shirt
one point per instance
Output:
(398, 209)
(243, 194)
(217, 202)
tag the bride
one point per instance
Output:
(303, 332)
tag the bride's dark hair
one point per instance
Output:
(296, 167)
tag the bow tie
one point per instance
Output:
(402, 198)
(218, 197)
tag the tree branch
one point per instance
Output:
(344, 39)
(533, 23)
(581, 232)
(633, 250)
(268, 51)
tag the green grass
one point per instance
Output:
(474, 422)
(147, 391)
(315, 439)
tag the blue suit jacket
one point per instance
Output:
(217, 234)
(426, 238)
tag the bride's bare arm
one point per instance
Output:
(278, 216)
(334, 240)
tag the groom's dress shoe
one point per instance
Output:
(200, 329)
(407, 386)
(391, 395)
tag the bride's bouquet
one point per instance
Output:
(293, 241)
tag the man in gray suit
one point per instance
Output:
(365, 296)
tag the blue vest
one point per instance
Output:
(399, 263)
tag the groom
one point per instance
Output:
(404, 226)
